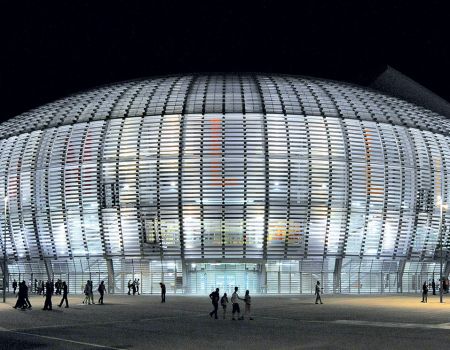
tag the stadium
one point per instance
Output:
(263, 181)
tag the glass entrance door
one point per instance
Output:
(204, 278)
(226, 281)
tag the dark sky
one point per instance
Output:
(51, 51)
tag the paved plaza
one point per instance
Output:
(281, 322)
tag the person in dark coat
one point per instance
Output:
(101, 290)
(163, 292)
(215, 297)
(64, 294)
(41, 287)
(317, 293)
(48, 296)
(433, 286)
(58, 286)
(424, 292)
(14, 285)
(20, 303)
(137, 283)
(129, 287)
(133, 287)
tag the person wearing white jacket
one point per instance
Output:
(248, 301)
(235, 302)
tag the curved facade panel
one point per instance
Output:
(251, 177)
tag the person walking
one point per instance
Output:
(57, 287)
(91, 292)
(317, 293)
(14, 285)
(214, 296)
(129, 287)
(137, 283)
(224, 303)
(20, 303)
(424, 292)
(41, 291)
(36, 286)
(163, 292)
(433, 286)
(248, 301)
(86, 293)
(48, 296)
(25, 292)
(64, 294)
(235, 303)
(101, 290)
(133, 287)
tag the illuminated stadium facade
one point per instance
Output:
(268, 182)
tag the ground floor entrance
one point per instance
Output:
(336, 276)
(202, 278)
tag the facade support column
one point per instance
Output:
(400, 271)
(184, 277)
(48, 269)
(111, 279)
(5, 273)
(446, 268)
(263, 278)
(337, 275)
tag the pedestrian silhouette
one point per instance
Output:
(133, 287)
(214, 296)
(86, 294)
(101, 290)
(64, 294)
(91, 292)
(317, 293)
(163, 292)
(424, 292)
(224, 303)
(136, 284)
(48, 296)
(20, 303)
(248, 301)
(25, 294)
(129, 286)
(235, 302)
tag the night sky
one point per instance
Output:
(51, 51)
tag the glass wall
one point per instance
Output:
(294, 186)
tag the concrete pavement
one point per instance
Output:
(281, 322)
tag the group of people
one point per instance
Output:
(88, 291)
(40, 286)
(133, 286)
(48, 289)
(61, 288)
(22, 296)
(23, 302)
(433, 286)
(215, 297)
